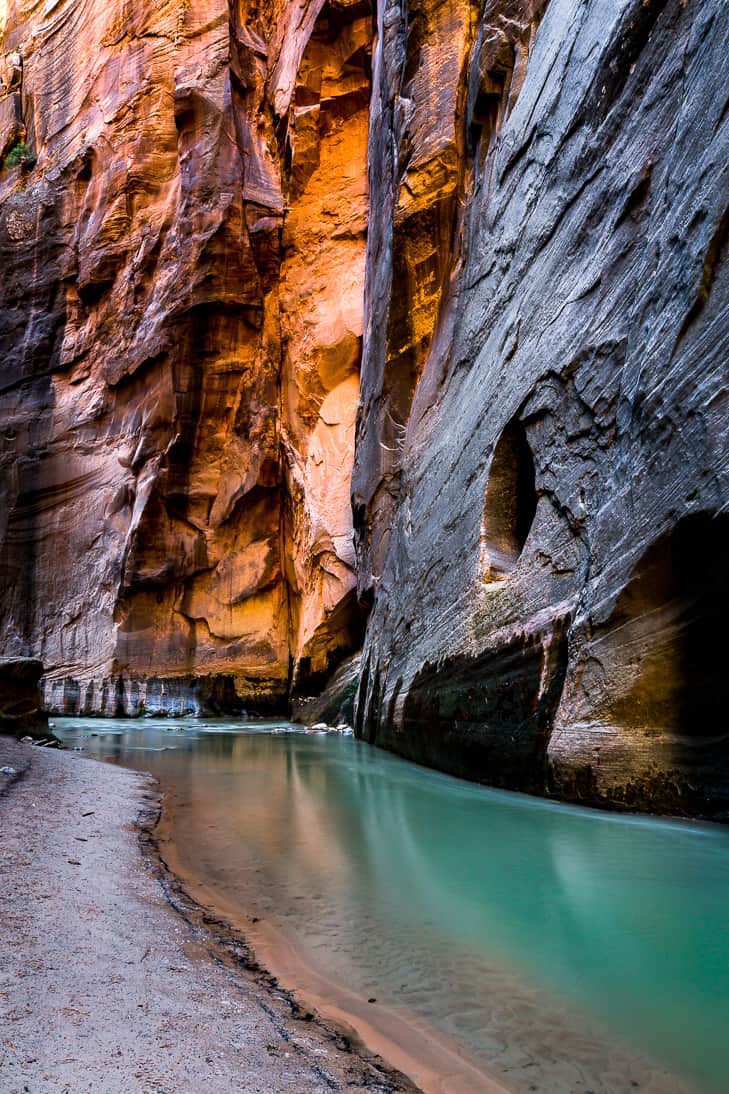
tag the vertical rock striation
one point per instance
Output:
(542, 467)
(178, 366)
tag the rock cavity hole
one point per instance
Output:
(670, 625)
(510, 504)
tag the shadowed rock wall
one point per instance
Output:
(20, 701)
(542, 469)
(180, 332)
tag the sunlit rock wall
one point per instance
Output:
(541, 484)
(180, 332)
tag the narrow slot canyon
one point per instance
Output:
(364, 546)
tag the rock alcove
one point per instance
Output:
(665, 641)
(510, 504)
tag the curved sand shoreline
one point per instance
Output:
(103, 986)
(409, 1045)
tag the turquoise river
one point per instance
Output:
(559, 949)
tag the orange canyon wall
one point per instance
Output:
(180, 336)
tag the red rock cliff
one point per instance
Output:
(180, 330)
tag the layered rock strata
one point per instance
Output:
(180, 331)
(542, 469)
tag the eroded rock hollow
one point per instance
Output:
(180, 337)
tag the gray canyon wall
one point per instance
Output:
(542, 468)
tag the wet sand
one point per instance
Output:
(434, 1063)
(111, 980)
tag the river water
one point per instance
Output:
(558, 949)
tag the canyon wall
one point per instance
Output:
(541, 475)
(542, 464)
(180, 338)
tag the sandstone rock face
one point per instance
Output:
(542, 469)
(180, 332)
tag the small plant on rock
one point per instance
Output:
(20, 156)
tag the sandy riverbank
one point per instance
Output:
(437, 1065)
(104, 986)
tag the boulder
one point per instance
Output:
(20, 702)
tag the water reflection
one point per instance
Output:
(524, 928)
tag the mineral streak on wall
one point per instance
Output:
(541, 483)
(180, 335)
